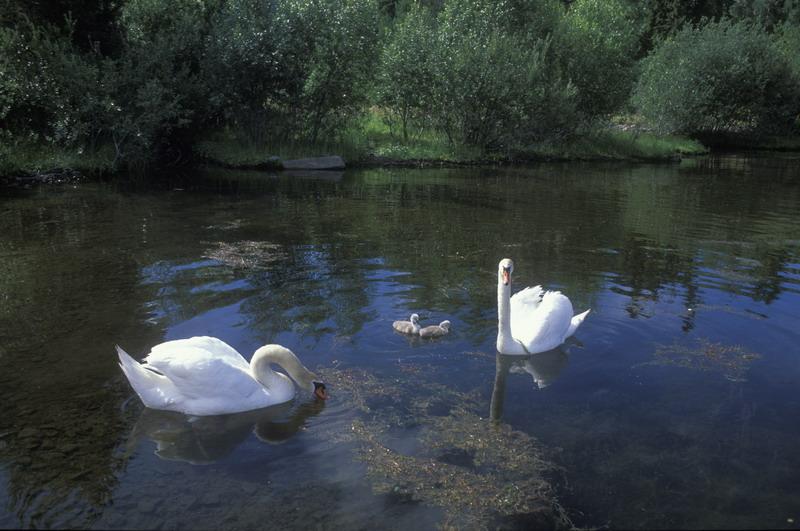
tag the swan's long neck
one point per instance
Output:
(503, 315)
(506, 344)
(269, 354)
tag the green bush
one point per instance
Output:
(43, 84)
(248, 78)
(152, 98)
(721, 77)
(405, 80)
(787, 39)
(495, 88)
(597, 43)
(333, 48)
(768, 14)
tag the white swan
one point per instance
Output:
(533, 320)
(206, 376)
(408, 327)
(442, 329)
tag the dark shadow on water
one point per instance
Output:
(205, 440)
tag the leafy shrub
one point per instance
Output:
(331, 46)
(787, 39)
(768, 14)
(293, 66)
(155, 97)
(721, 77)
(43, 84)
(494, 87)
(405, 80)
(597, 43)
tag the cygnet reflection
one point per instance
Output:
(204, 440)
(543, 368)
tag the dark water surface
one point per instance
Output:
(675, 407)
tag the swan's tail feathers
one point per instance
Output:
(147, 384)
(576, 322)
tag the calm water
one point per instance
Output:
(675, 407)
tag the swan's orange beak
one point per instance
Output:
(506, 276)
(320, 391)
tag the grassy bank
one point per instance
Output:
(33, 159)
(374, 142)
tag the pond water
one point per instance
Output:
(675, 406)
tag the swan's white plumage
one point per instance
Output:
(523, 304)
(540, 326)
(203, 376)
(533, 320)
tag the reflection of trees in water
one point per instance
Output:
(768, 283)
(700, 229)
(644, 270)
(318, 290)
(67, 296)
(72, 263)
(552, 219)
(61, 458)
(450, 227)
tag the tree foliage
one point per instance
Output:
(598, 42)
(719, 77)
(148, 76)
(474, 74)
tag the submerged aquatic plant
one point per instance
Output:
(732, 361)
(247, 254)
(480, 474)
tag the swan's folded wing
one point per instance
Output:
(523, 306)
(543, 327)
(213, 345)
(198, 373)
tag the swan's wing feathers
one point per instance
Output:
(523, 307)
(528, 296)
(545, 326)
(199, 373)
(212, 345)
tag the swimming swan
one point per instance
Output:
(408, 327)
(206, 376)
(442, 329)
(533, 320)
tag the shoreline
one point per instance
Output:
(66, 175)
(27, 178)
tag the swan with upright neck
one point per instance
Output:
(206, 376)
(533, 320)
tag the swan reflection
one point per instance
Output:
(543, 368)
(204, 440)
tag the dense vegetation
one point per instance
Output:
(146, 81)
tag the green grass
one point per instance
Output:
(426, 144)
(619, 145)
(373, 140)
(368, 139)
(35, 158)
